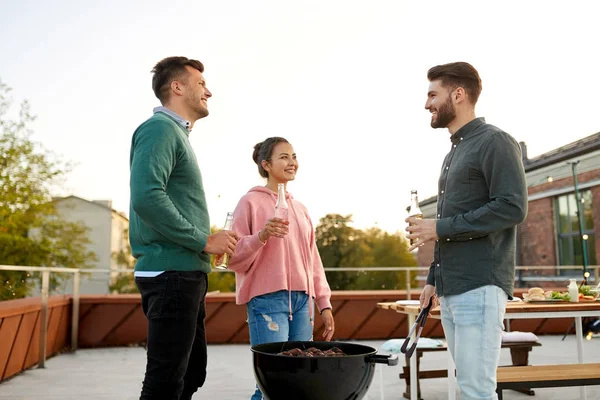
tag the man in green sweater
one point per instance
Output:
(170, 232)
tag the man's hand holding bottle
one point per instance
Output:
(222, 242)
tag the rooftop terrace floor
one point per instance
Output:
(116, 374)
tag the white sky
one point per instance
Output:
(344, 81)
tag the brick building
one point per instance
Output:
(550, 234)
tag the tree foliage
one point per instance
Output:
(31, 231)
(342, 246)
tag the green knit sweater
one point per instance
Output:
(169, 222)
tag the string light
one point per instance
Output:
(547, 179)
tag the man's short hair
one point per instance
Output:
(457, 74)
(169, 69)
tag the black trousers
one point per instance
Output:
(174, 304)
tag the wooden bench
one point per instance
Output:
(547, 376)
(519, 353)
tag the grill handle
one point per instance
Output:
(390, 359)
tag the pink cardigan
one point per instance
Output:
(291, 263)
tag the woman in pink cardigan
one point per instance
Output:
(278, 269)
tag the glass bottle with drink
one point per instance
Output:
(281, 207)
(414, 210)
(223, 260)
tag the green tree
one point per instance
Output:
(31, 231)
(386, 250)
(337, 241)
(341, 245)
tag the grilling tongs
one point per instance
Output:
(420, 322)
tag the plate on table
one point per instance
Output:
(516, 299)
(408, 302)
(546, 301)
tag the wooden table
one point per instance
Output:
(514, 310)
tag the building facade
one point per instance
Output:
(108, 236)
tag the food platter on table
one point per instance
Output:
(545, 301)
(538, 295)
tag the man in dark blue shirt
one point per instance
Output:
(482, 197)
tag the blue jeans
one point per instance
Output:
(473, 323)
(268, 320)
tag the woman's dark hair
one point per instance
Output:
(264, 151)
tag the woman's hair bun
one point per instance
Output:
(255, 153)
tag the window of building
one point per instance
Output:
(569, 240)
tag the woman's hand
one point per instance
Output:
(327, 316)
(275, 227)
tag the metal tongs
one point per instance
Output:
(420, 322)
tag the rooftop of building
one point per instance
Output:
(563, 153)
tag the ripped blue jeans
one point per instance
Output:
(268, 320)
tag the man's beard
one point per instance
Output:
(445, 115)
(196, 105)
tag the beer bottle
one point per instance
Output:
(281, 207)
(223, 260)
(414, 210)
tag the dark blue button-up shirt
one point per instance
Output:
(482, 196)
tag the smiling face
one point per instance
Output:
(439, 104)
(196, 93)
(282, 165)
